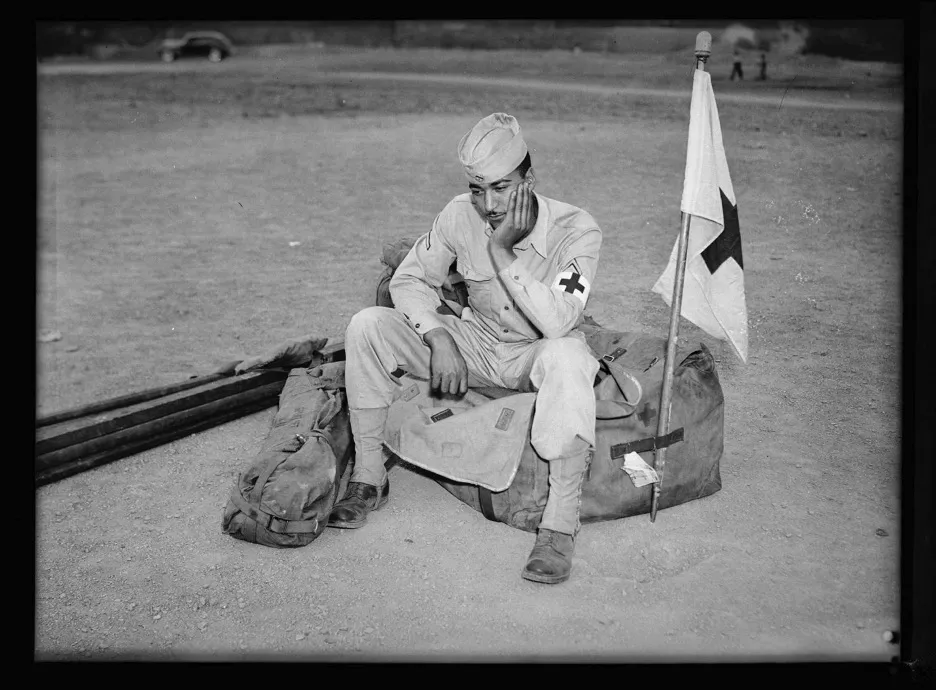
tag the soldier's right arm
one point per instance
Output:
(425, 268)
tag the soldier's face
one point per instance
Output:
(490, 200)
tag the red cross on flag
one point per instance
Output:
(713, 293)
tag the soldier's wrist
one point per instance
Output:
(502, 256)
(437, 336)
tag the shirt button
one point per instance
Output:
(517, 278)
(505, 330)
(506, 308)
(417, 325)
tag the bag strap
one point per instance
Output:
(647, 444)
(611, 356)
(270, 522)
(327, 437)
(263, 477)
(325, 417)
(487, 503)
(319, 427)
(622, 377)
(327, 414)
(252, 508)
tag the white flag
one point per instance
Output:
(713, 292)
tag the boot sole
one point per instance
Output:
(545, 579)
(344, 524)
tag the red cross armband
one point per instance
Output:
(573, 283)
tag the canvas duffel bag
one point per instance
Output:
(284, 498)
(694, 443)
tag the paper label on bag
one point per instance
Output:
(640, 472)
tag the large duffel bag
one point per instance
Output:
(284, 498)
(694, 443)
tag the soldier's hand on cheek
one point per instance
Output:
(524, 212)
(518, 220)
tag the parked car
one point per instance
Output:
(212, 44)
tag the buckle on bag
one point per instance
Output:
(614, 355)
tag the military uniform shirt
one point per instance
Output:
(542, 293)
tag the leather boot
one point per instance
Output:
(550, 561)
(360, 499)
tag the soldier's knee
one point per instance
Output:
(567, 354)
(366, 322)
(571, 450)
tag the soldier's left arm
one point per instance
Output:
(555, 308)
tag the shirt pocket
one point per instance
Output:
(480, 286)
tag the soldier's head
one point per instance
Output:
(496, 160)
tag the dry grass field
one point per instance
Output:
(171, 199)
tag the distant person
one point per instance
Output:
(736, 69)
(763, 66)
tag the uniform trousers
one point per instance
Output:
(561, 371)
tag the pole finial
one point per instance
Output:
(703, 45)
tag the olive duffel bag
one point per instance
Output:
(285, 496)
(694, 442)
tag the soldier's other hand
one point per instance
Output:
(447, 367)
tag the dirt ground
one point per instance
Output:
(171, 203)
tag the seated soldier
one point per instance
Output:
(528, 262)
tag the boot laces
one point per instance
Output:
(357, 490)
(549, 539)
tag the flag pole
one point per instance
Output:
(703, 49)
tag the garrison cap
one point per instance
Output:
(492, 148)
